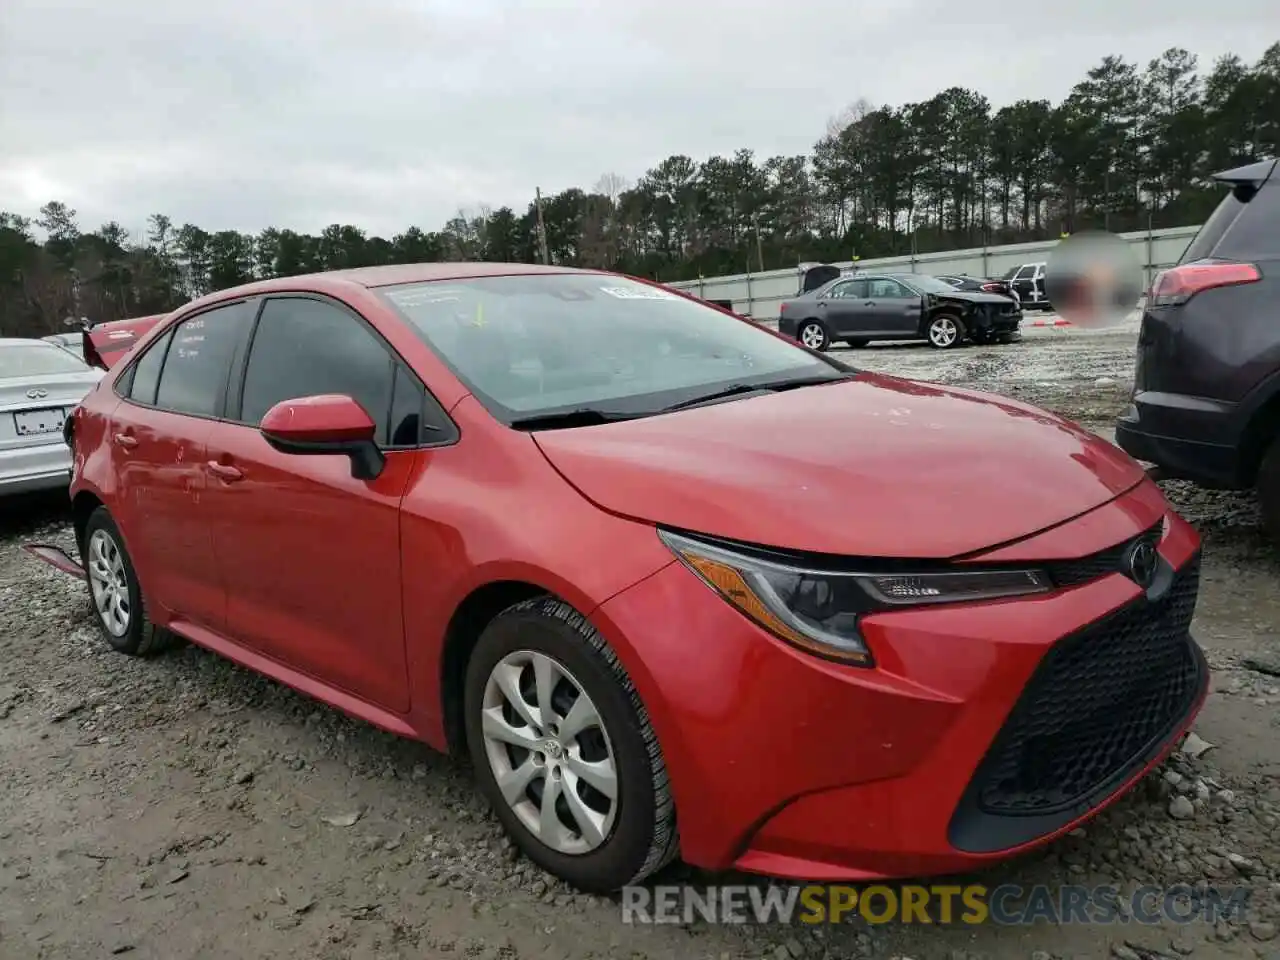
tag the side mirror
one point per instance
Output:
(328, 424)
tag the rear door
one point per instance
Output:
(310, 555)
(172, 396)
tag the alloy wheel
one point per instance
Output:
(813, 336)
(550, 753)
(943, 332)
(109, 582)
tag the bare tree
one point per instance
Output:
(850, 115)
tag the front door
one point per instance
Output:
(158, 448)
(310, 555)
(895, 307)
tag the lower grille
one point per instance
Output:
(1100, 704)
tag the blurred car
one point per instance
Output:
(40, 384)
(976, 285)
(73, 343)
(1206, 393)
(580, 528)
(863, 307)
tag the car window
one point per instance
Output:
(305, 347)
(199, 359)
(1025, 272)
(849, 290)
(886, 289)
(144, 376)
(404, 429)
(530, 345)
(1254, 232)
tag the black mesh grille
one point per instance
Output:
(1071, 573)
(1095, 705)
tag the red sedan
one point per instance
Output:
(678, 585)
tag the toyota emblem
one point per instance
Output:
(35, 393)
(1140, 563)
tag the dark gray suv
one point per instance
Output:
(1206, 398)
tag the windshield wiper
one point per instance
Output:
(776, 386)
(581, 417)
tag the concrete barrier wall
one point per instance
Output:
(758, 295)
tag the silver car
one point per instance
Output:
(40, 384)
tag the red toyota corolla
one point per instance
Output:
(675, 583)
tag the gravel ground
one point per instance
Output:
(184, 808)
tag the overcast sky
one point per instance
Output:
(301, 113)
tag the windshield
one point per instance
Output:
(36, 360)
(533, 345)
(928, 284)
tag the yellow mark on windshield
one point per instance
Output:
(478, 320)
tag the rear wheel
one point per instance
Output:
(945, 331)
(114, 591)
(814, 335)
(1269, 490)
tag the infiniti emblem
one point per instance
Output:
(1140, 563)
(35, 393)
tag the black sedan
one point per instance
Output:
(977, 285)
(900, 306)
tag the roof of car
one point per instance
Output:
(331, 281)
(24, 341)
(394, 274)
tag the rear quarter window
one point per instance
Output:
(1254, 233)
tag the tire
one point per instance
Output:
(636, 831)
(1269, 491)
(108, 566)
(814, 335)
(935, 332)
(857, 343)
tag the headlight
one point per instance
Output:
(818, 610)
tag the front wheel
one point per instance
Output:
(1269, 490)
(564, 750)
(814, 336)
(945, 331)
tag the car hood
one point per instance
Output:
(874, 466)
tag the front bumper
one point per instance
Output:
(43, 466)
(791, 766)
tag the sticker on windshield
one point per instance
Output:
(641, 293)
(419, 298)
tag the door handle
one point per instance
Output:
(124, 440)
(224, 472)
